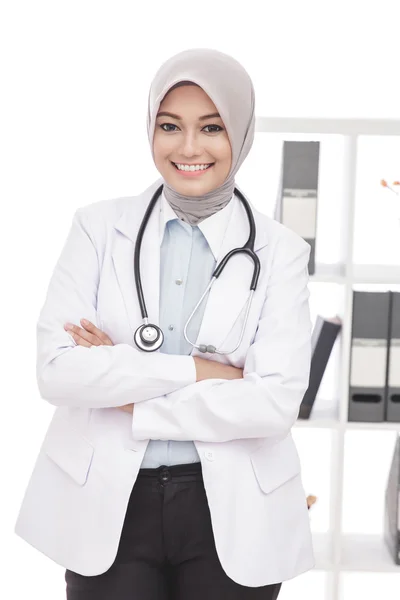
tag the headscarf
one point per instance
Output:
(230, 88)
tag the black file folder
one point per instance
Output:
(368, 361)
(322, 341)
(393, 370)
(391, 528)
(297, 201)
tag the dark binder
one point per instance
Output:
(322, 341)
(368, 360)
(393, 371)
(391, 527)
(297, 201)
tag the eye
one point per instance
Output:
(215, 131)
(167, 125)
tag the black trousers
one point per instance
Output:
(167, 549)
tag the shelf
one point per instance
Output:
(370, 274)
(329, 273)
(388, 274)
(383, 425)
(331, 423)
(366, 553)
(359, 552)
(332, 285)
(328, 126)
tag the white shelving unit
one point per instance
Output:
(335, 551)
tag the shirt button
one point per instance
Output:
(178, 281)
(171, 327)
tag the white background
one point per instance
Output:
(75, 78)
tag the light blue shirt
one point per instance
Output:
(186, 266)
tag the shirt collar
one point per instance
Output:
(213, 227)
(167, 213)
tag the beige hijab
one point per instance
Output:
(230, 88)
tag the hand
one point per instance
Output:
(127, 408)
(89, 335)
(212, 369)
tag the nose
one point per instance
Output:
(191, 145)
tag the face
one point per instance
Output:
(191, 135)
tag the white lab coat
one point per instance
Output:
(75, 502)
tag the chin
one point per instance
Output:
(188, 186)
(192, 187)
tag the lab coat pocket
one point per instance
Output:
(69, 449)
(274, 464)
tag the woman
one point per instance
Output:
(173, 473)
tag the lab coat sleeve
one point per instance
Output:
(99, 376)
(266, 402)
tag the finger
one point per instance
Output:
(89, 337)
(79, 341)
(127, 408)
(124, 407)
(91, 328)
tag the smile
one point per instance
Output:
(192, 168)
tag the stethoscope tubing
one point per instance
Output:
(150, 337)
(136, 259)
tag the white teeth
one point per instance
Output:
(191, 167)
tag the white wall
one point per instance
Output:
(75, 80)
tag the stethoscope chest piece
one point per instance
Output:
(149, 337)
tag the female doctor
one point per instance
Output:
(168, 471)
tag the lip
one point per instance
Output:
(192, 173)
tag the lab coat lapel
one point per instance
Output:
(123, 259)
(225, 307)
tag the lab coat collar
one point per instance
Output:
(220, 228)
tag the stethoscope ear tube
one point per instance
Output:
(244, 250)
(248, 248)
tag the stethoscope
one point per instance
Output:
(149, 337)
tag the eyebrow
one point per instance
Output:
(178, 118)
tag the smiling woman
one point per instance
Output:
(147, 504)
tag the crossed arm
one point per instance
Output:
(89, 335)
(186, 397)
(99, 375)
